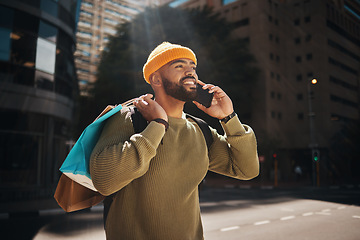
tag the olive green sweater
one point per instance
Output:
(158, 174)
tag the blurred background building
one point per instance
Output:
(295, 41)
(98, 21)
(38, 85)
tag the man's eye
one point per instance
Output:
(178, 66)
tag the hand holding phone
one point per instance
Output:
(203, 96)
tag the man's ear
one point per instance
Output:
(155, 79)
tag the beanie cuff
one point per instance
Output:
(170, 53)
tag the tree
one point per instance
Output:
(222, 59)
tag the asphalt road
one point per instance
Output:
(305, 213)
(280, 215)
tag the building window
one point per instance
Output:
(49, 6)
(278, 77)
(5, 45)
(87, 4)
(299, 77)
(297, 40)
(272, 94)
(343, 83)
(273, 114)
(307, 19)
(343, 101)
(241, 23)
(298, 59)
(342, 66)
(47, 31)
(44, 80)
(225, 2)
(297, 22)
(45, 56)
(299, 97)
(309, 56)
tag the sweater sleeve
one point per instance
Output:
(235, 153)
(121, 156)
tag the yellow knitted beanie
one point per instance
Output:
(164, 53)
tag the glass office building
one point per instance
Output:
(38, 85)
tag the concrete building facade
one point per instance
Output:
(295, 41)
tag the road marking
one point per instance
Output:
(262, 222)
(326, 210)
(287, 218)
(356, 216)
(342, 207)
(229, 228)
(308, 214)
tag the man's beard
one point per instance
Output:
(178, 90)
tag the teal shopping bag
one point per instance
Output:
(76, 164)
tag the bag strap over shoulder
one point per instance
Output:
(139, 122)
(204, 128)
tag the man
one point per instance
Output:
(155, 174)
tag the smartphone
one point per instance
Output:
(203, 96)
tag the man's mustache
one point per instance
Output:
(187, 77)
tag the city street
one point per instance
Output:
(228, 213)
(281, 217)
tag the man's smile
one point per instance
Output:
(189, 81)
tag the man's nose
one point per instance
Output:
(190, 71)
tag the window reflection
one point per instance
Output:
(63, 87)
(47, 31)
(23, 49)
(5, 44)
(23, 75)
(65, 42)
(44, 80)
(49, 6)
(33, 51)
(45, 56)
(26, 23)
(65, 16)
(6, 17)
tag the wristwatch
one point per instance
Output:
(226, 119)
